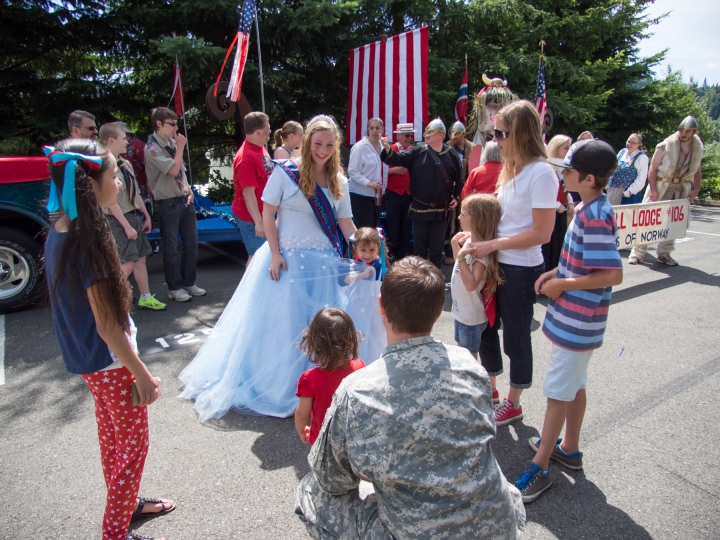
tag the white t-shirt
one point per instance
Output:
(467, 306)
(535, 187)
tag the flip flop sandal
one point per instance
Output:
(133, 536)
(138, 513)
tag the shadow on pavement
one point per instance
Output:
(573, 507)
(278, 446)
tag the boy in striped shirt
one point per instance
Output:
(579, 290)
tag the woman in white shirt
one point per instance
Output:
(527, 191)
(630, 177)
(367, 176)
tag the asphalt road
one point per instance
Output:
(650, 437)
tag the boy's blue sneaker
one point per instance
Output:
(532, 482)
(571, 461)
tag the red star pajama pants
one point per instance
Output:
(124, 439)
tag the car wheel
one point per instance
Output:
(20, 269)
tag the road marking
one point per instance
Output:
(2, 350)
(706, 233)
(223, 252)
(686, 239)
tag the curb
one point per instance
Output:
(703, 202)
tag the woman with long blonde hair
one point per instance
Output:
(527, 190)
(252, 363)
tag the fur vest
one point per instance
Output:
(671, 152)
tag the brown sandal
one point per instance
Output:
(138, 513)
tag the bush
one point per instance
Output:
(710, 187)
(221, 189)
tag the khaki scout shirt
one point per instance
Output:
(158, 162)
(124, 202)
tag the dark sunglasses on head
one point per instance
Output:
(500, 135)
(173, 124)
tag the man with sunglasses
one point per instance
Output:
(674, 169)
(174, 202)
(81, 125)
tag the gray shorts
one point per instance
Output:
(130, 250)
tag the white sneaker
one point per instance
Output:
(195, 291)
(181, 295)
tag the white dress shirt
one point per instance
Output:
(365, 167)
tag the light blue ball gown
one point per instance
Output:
(252, 362)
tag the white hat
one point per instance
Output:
(404, 128)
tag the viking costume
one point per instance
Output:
(675, 175)
(462, 152)
(495, 95)
(435, 180)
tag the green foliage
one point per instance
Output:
(221, 189)
(710, 188)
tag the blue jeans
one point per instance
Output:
(247, 231)
(179, 262)
(469, 337)
(515, 301)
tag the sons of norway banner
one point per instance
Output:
(650, 223)
(388, 80)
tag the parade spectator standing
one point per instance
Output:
(251, 169)
(129, 219)
(527, 190)
(557, 148)
(81, 125)
(398, 227)
(435, 186)
(402, 424)
(579, 291)
(287, 140)
(483, 179)
(461, 145)
(368, 176)
(174, 202)
(135, 154)
(585, 136)
(630, 177)
(675, 164)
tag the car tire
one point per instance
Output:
(20, 270)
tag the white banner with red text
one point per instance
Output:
(649, 223)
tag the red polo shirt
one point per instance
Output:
(251, 168)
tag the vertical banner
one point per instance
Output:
(649, 223)
(388, 80)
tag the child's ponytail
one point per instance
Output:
(89, 245)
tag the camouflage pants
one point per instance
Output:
(346, 516)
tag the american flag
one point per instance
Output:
(242, 38)
(540, 91)
(388, 80)
(461, 106)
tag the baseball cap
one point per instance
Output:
(124, 127)
(589, 156)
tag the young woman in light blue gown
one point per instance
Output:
(252, 362)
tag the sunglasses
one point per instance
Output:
(500, 135)
(90, 128)
(173, 124)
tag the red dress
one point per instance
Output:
(320, 385)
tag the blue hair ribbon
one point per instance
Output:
(67, 198)
(383, 261)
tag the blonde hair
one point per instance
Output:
(332, 165)
(281, 134)
(525, 137)
(556, 143)
(484, 213)
(585, 135)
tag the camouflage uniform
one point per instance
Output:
(418, 424)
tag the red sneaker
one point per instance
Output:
(495, 397)
(506, 413)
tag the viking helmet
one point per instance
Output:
(689, 123)
(457, 127)
(433, 127)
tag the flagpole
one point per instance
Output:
(182, 103)
(262, 87)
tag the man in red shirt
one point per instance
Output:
(135, 154)
(398, 227)
(251, 169)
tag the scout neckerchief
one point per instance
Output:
(319, 203)
(170, 150)
(129, 179)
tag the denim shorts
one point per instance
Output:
(247, 231)
(566, 373)
(468, 337)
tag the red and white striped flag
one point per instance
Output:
(178, 91)
(388, 80)
(541, 91)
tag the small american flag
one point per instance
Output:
(540, 91)
(242, 38)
